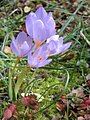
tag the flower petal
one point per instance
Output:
(61, 40)
(24, 49)
(21, 45)
(39, 31)
(21, 37)
(50, 27)
(29, 41)
(41, 13)
(66, 46)
(54, 38)
(32, 61)
(42, 64)
(30, 19)
(40, 25)
(38, 58)
(14, 48)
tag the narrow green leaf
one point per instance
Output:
(19, 82)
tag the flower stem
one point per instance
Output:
(10, 87)
(19, 82)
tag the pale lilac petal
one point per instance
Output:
(61, 40)
(38, 58)
(63, 48)
(46, 62)
(30, 19)
(21, 37)
(41, 51)
(52, 43)
(50, 27)
(39, 31)
(56, 46)
(52, 47)
(59, 50)
(54, 38)
(32, 61)
(24, 49)
(14, 48)
(21, 45)
(29, 41)
(40, 25)
(66, 46)
(41, 13)
(49, 15)
(48, 21)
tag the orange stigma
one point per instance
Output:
(38, 43)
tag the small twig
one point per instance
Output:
(13, 11)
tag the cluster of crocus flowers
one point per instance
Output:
(40, 42)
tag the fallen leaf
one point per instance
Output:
(81, 118)
(78, 92)
(7, 50)
(87, 117)
(61, 104)
(9, 112)
(30, 101)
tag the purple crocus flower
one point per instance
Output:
(21, 45)
(39, 58)
(55, 45)
(40, 25)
